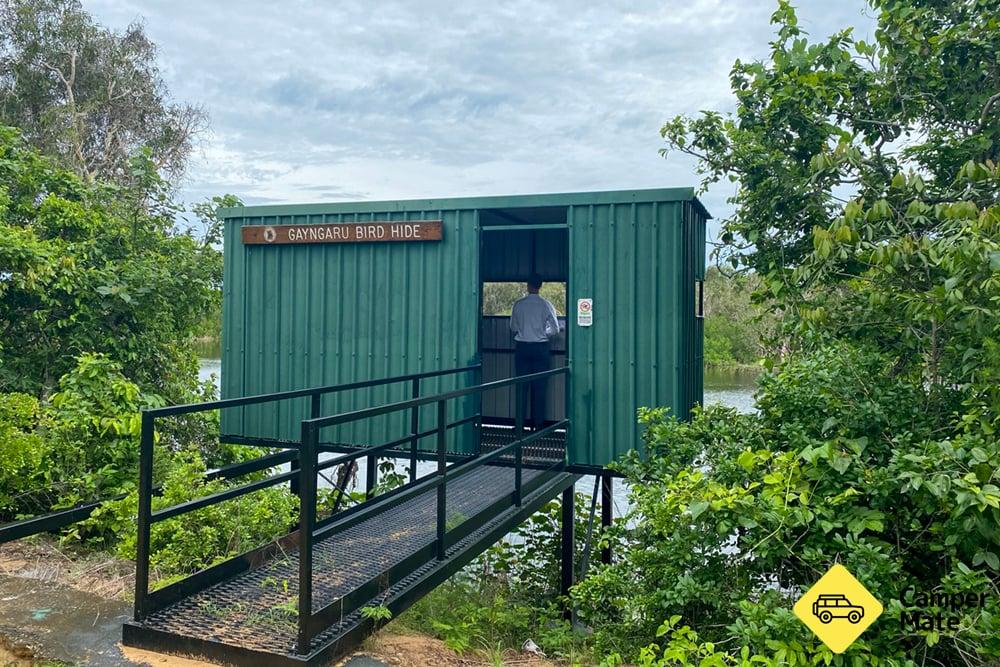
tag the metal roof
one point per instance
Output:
(461, 203)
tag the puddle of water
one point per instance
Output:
(60, 623)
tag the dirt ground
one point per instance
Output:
(140, 657)
(12, 656)
(393, 649)
(45, 560)
(420, 651)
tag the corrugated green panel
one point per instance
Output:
(308, 315)
(515, 255)
(692, 369)
(628, 258)
(233, 320)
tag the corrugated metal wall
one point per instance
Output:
(309, 315)
(298, 316)
(512, 256)
(632, 355)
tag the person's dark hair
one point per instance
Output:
(535, 281)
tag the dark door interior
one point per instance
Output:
(516, 243)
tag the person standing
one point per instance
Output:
(534, 323)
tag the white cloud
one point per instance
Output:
(351, 100)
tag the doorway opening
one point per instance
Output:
(514, 245)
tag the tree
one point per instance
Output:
(87, 268)
(869, 207)
(820, 123)
(89, 96)
(738, 332)
(867, 181)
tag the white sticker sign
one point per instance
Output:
(584, 312)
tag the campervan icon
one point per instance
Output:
(828, 607)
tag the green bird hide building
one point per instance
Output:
(323, 294)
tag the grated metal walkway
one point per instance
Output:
(542, 452)
(255, 612)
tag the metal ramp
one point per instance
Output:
(246, 618)
(300, 600)
(542, 451)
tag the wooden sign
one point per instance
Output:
(344, 232)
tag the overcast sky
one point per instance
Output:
(346, 100)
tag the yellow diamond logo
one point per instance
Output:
(838, 609)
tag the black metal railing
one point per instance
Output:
(305, 466)
(144, 602)
(311, 623)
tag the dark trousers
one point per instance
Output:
(532, 358)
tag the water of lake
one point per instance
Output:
(208, 368)
(731, 388)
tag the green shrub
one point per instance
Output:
(736, 515)
(81, 446)
(22, 451)
(193, 541)
(92, 267)
(509, 594)
(95, 429)
(470, 612)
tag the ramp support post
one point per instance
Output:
(307, 523)
(371, 476)
(414, 429)
(567, 547)
(442, 471)
(145, 520)
(518, 435)
(607, 513)
(315, 411)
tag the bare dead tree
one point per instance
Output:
(90, 96)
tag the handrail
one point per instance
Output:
(347, 417)
(54, 520)
(186, 408)
(318, 620)
(146, 516)
(309, 465)
(274, 480)
(368, 451)
(227, 494)
(305, 466)
(465, 467)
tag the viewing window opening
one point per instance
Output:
(499, 298)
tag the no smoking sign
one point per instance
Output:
(584, 312)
